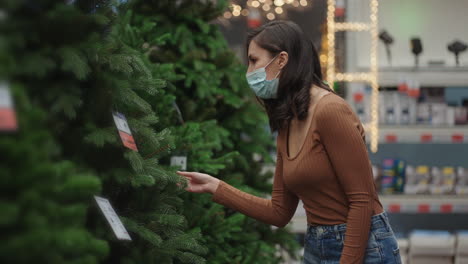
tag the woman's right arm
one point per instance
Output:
(276, 211)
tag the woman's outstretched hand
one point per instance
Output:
(200, 182)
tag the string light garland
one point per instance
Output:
(271, 8)
(369, 77)
(352, 27)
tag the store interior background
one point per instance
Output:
(438, 140)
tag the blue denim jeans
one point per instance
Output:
(323, 244)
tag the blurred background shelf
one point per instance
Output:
(402, 203)
(436, 206)
(422, 134)
(428, 76)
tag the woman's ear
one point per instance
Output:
(283, 59)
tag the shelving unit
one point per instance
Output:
(405, 204)
(428, 76)
(423, 134)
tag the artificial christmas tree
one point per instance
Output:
(217, 123)
(43, 199)
(71, 62)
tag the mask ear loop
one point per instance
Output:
(270, 63)
(277, 74)
(271, 60)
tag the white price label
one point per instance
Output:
(5, 97)
(124, 131)
(180, 161)
(112, 218)
(8, 120)
(121, 123)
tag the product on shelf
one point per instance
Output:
(392, 106)
(404, 110)
(400, 174)
(438, 114)
(403, 244)
(388, 177)
(393, 176)
(411, 104)
(461, 115)
(359, 106)
(423, 115)
(417, 181)
(461, 251)
(443, 181)
(427, 247)
(462, 181)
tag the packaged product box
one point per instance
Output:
(438, 114)
(423, 115)
(461, 260)
(400, 172)
(443, 180)
(461, 186)
(417, 181)
(388, 176)
(462, 244)
(432, 243)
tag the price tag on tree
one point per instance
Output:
(180, 161)
(7, 111)
(112, 218)
(124, 131)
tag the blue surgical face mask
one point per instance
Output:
(262, 87)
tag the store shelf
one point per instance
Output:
(409, 204)
(425, 76)
(422, 134)
(425, 203)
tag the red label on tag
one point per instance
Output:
(128, 140)
(8, 119)
(124, 131)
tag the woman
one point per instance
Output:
(322, 157)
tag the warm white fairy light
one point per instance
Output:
(331, 41)
(227, 15)
(374, 72)
(354, 77)
(279, 2)
(271, 7)
(371, 76)
(323, 58)
(279, 10)
(352, 26)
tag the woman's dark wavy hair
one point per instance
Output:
(301, 71)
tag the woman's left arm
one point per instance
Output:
(340, 132)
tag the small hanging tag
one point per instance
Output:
(124, 131)
(112, 218)
(180, 161)
(7, 112)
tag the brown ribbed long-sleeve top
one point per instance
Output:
(331, 174)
